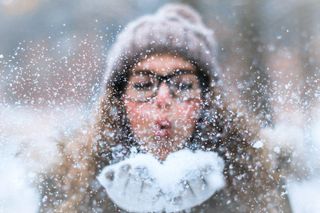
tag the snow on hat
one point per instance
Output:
(174, 29)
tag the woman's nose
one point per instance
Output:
(164, 97)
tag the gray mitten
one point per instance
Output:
(130, 185)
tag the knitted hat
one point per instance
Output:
(174, 29)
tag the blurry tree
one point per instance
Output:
(255, 89)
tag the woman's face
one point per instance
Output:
(163, 101)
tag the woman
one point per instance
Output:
(162, 94)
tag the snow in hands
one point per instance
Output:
(141, 183)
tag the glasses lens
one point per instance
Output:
(141, 87)
(185, 86)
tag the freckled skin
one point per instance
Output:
(182, 116)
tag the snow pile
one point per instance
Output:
(27, 147)
(294, 143)
(286, 144)
(17, 193)
(28, 135)
(143, 184)
(304, 195)
(314, 144)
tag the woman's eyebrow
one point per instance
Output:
(142, 72)
(182, 71)
(174, 73)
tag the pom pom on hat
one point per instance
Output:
(182, 11)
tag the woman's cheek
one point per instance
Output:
(186, 118)
(188, 111)
(138, 114)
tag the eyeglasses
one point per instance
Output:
(143, 85)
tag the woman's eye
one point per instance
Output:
(184, 86)
(143, 85)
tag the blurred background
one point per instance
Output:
(53, 52)
(53, 56)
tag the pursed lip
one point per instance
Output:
(163, 128)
